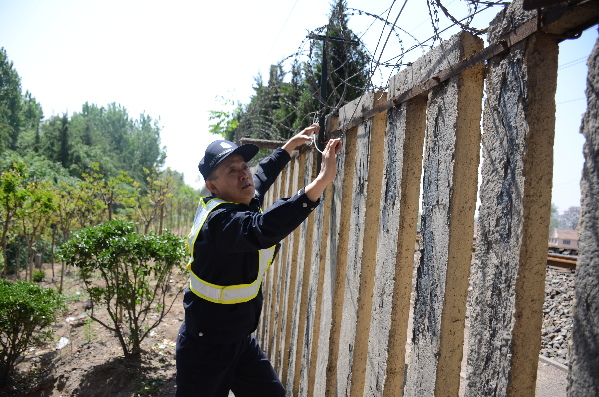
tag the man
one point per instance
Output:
(232, 244)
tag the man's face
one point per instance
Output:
(232, 180)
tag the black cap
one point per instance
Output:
(219, 150)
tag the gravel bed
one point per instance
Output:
(557, 315)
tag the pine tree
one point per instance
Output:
(280, 108)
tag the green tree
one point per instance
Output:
(152, 202)
(225, 122)
(569, 218)
(31, 119)
(13, 195)
(56, 140)
(144, 151)
(347, 67)
(10, 103)
(280, 108)
(134, 273)
(26, 313)
(553, 220)
(34, 216)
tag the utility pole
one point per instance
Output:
(323, 80)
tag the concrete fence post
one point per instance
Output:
(316, 291)
(583, 378)
(449, 198)
(303, 266)
(356, 212)
(335, 243)
(298, 166)
(337, 255)
(272, 286)
(366, 260)
(284, 276)
(262, 330)
(395, 252)
(508, 272)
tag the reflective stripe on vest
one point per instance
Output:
(225, 294)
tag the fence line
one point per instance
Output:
(339, 294)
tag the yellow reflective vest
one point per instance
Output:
(224, 294)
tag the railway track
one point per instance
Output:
(562, 262)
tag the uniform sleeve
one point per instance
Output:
(232, 229)
(268, 171)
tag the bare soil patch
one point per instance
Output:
(86, 359)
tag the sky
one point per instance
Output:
(173, 59)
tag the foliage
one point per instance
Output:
(39, 276)
(151, 205)
(569, 218)
(12, 198)
(10, 103)
(26, 313)
(290, 101)
(105, 136)
(225, 121)
(553, 219)
(134, 273)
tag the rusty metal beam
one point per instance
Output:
(267, 144)
(262, 143)
(516, 36)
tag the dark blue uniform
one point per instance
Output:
(215, 351)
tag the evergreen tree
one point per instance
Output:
(64, 154)
(10, 103)
(31, 119)
(280, 108)
(347, 67)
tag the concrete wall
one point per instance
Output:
(338, 298)
(449, 199)
(583, 379)
(511, 254)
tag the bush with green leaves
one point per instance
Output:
(39, 276)
(128, 274)
(26, 313)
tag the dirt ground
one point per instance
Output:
(90, 361)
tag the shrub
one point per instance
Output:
(26, 313)
(134, 273)
(39, 275)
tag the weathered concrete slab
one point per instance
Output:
(439, 58)
(275, 289)
(367, 261)
(310, 351)
(334, 195)
(357, 214)
(395, 251)
(285, 274)
(338, 258)
(292, 247)
(267, 287)
(583, 379)
(302, 265)
(509, 267)
(449, 199)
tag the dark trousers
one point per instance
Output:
(208, 369)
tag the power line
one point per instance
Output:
(282, 27)
(571, 100)
(572, 63)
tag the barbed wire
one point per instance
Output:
(274, 112)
